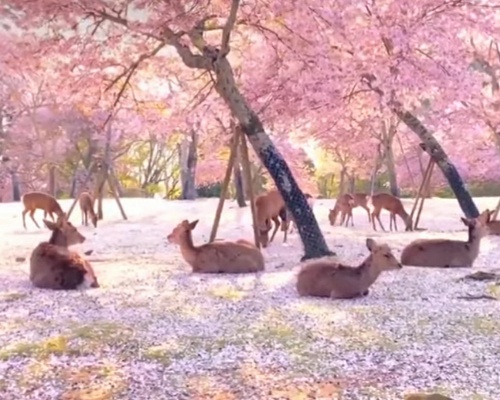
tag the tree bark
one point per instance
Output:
(188, 159)
(52, 180)
(434, 149)
(16, 190)
(391, 170)
(308, 228)
(238, 184)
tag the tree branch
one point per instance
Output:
(228, 27)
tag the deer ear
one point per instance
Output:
(370, 243)
(193, 224)
(49, 224)
(466, 222)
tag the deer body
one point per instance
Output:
(343, 206)
(330, 279)
(447, 253)
(42, 201)
(361, 200)
(87, 208)
(236, 257)
(54, 266)
(394, 206)
(269, 207)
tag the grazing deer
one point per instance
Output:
(220, 256)
(42, 201)
(394, 206)
(447, 253)
(53, 266)
(361, 200)
(290, 221)
(330, 279)
(87, 207)
(343, 206)
(270, 206)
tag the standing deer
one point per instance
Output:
(270, 206)
(394, 206)
(42, 201)
(87, 208)
(343, 206)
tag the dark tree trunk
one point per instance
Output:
(16, 190)
(238, 184)
(188, 158)
(434, 149)
(391, 169)
(308, 228)
(52, 180)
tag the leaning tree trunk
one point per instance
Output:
(188, 158)
(434, 149)
(308, 228)
(238, 184)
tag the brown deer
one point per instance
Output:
(394, 206)
(53, 266)
(447, 253)
(330, 279)
(42, 201)
(493, 225)
(269, 207)
(361, 200)
(87, 208)
(343, 206)
(220, 256)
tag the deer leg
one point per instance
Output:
(390, 221)
(373, 221)
(276, 227)
(368, 212)
(24, 218)
(395, 222)
(380, 223)
(350, 216)
(32, 215)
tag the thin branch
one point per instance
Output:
(228, 27)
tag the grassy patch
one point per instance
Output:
(493, 290)
(227, 293)
(11, 297)
(56, 345)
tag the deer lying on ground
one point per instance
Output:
(42, 201)
(289, 219)
(343, 206)
(87, 208)
(220, 256)
(447, 253)
(330, 279)
(53, 266)
(269, 207)
(394, 206)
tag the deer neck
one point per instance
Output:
(474, 241)
(58, 239)
(368, 271)
(188, 250)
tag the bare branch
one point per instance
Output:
(228, 27)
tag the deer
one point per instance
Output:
(394, 206)
(289, 219)
(87, 208)
(270, 206)
(361, 200)
(344, 206)
(447, 253)
(326, 278)
(42, 201)
(493, 225)
(54, 266)
(220, 256)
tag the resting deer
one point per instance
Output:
(53, 266)
(330, 279)
(221, 256)
(269, 207)
(447, 253)
(87, 208)
(394, 206)
(42, 201)
(343, 206)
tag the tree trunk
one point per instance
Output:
(16, 190)
(391, 169)
(308, 228)
(52, 180)
(434, 149)
(188, 159)
(343, 174)
(238, 184)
